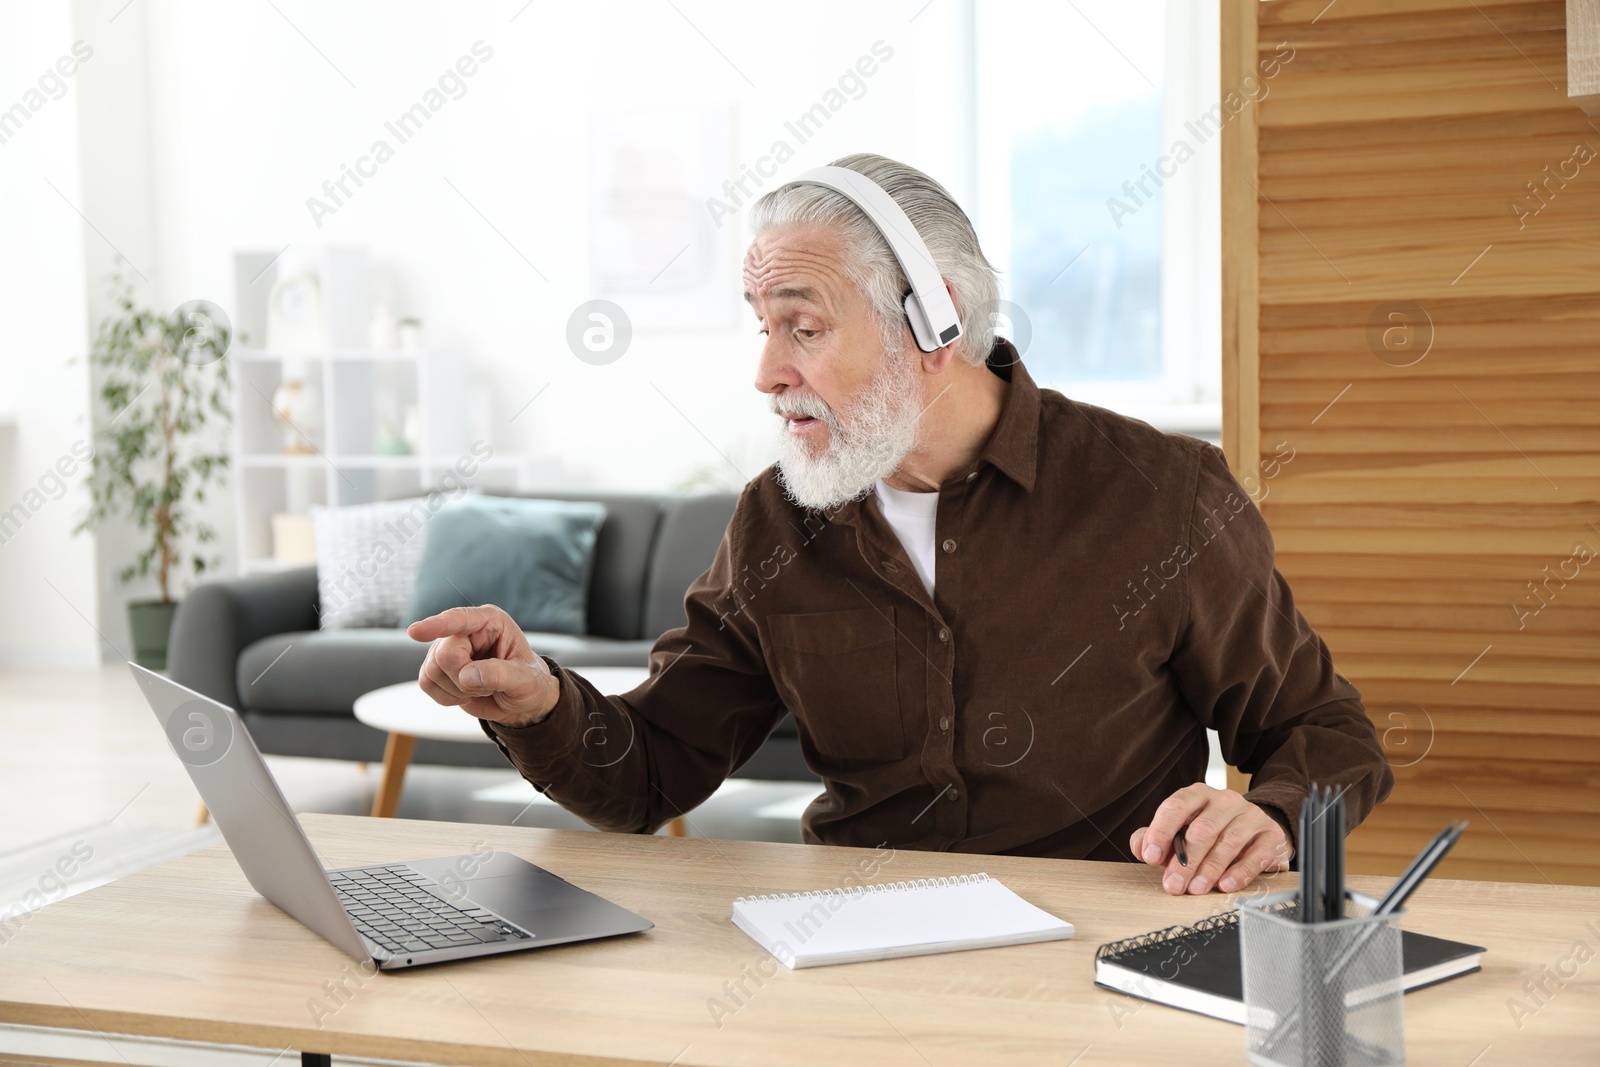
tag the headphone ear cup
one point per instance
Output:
(920, 331)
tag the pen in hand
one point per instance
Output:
(1177, 846)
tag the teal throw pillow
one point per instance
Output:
(531, 557)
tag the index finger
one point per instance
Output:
(452, 621)
(1173, 815)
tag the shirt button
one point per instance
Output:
(944, 635)
(944, 722)
(955, 794)
(949, 545)
(972, 475)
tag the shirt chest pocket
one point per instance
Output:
(836, 673)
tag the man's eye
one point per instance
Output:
(808, 333)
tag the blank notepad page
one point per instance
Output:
(893, 919)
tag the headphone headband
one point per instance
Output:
(928, 307)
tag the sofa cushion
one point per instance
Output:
(323, 671)
(532, 558)
(621, 559)
(691, 529)
(367, 557)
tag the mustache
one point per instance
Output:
(806, 406)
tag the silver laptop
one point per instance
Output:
(394, 914)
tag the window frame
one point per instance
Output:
(1187, 394)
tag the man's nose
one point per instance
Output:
(774, 370)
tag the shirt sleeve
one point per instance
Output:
(1254, 670)
(631, 762)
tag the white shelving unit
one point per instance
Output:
(362, 393)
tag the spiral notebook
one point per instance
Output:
(890, 920)
(1198, 968)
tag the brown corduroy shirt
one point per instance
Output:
(1103, 593)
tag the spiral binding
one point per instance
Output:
(1210, 925)
(855, 891)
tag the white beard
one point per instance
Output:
(880, 430)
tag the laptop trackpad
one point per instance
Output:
(546, 906)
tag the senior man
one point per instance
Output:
(1003, 620)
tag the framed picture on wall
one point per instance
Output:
(655, 246)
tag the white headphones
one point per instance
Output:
(929, 310)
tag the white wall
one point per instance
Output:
(47, 575)
(207, 127)
(195, 130)
(249, 122)
(118, 180)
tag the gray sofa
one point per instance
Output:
(227, 634)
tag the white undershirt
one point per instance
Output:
(913, 517)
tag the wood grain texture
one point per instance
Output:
(1425, 270)
(186, 950)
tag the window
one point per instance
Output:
(1106, 233)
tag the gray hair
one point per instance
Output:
(868, 260)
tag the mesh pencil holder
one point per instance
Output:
(1323, 994)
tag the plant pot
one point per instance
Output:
(150, 624)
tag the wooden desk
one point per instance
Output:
(188, 951)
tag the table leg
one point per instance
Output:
(316, 1059)
(202, 816)
(396, 758)
(677, 828)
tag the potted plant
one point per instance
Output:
(162, 378)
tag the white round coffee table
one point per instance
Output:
(405, 713)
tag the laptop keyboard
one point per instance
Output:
(392, 907)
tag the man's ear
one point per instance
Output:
(936, 361)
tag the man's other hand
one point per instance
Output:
(1229, 841)
(480, 662)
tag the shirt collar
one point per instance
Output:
(1014, 444)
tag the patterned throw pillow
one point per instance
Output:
(367, 559)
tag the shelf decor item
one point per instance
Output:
(391, 442)
(297, 408)
(164, 387)
(294, 314)
(410, 334)
(411, 428)
(383, 332)
(294, 539)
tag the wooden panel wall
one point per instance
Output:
(1411, 287)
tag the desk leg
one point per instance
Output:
(316, 1059)
(677, 828)
(396, 758)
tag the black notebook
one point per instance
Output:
(1197, 968)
